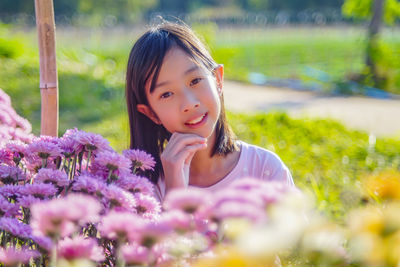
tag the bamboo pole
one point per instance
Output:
(48, 69)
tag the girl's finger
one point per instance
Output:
(185, 154)
(180, 142)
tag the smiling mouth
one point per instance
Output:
(197, 120)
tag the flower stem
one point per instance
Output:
(109, 176)
(88, 161)
(53, 257)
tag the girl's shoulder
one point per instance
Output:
(262, 163)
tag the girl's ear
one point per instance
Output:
(148, 112)
(219, 76)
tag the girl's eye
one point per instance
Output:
(195, 81)
(166, 95)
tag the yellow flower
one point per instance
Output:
(385, 185)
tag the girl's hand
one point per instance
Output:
(177, 156)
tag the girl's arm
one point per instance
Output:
(177, 156)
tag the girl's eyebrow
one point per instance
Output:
(194, 68)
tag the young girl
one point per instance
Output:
(176, 112)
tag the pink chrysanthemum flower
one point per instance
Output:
(119, 199)
(139, 159)
(188, 200)
(80, 247)
(11, 174)
(150, 233)
(34, 164)
(114, 162)
(14, 257)
(178, 220)
(6, 156)
(136, 184)
(55, 177)
(59, 217)
(44, 149)
(89, 185)
(91, 141)
(147, 206)
(120, 225)
(135, 255)
(83, 208)
(39, 190)
(228, 210)
(237, 196)
(48, 219)
(17, 148)
(272, 192)
(20, 134)
(11, 191)
(27, 201)
(8, 209)
(15, 227)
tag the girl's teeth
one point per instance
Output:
(196, 121)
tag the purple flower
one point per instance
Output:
(8, 209)
(114, 162)
(11, 174)
(139, 159)
(147, 206)
(6, 156)
(55, 177)
(188, 200)
(119, 199)
(135, 255)
(13, 257)
(39, 190)
(136, 184)
(91, 141)
(80, 247)
(88, 184)
(15, 227)
(68, 146)
(27, 201)
(11, 191)
(120, 225)
(44, 148)
(43, 242)
(70, 133)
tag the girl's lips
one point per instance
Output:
(201, 122)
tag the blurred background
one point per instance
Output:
(333, 47)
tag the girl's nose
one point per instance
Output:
(190, 101)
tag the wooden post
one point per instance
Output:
(48, 69)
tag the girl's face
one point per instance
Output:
(186, 98)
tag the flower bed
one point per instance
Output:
(74, 201)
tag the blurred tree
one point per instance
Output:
(123, 10)
(377, 12)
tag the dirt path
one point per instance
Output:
(380, 117)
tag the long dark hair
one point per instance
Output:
(145, 60)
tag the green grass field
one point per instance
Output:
(325, 157)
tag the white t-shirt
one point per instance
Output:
(253, 162)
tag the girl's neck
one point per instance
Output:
(206, 170)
